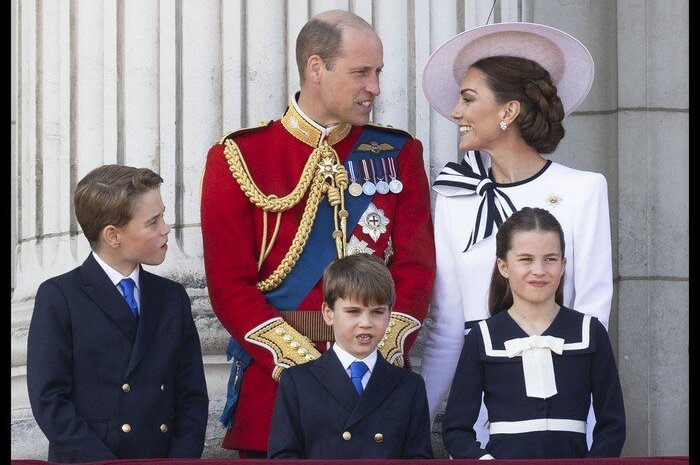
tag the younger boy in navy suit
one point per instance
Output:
(351, 403)
(114, 363)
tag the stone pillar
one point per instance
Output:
(653, 178)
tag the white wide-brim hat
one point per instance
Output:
(568, 61)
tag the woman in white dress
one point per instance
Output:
(508, 87)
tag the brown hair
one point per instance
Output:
(105, 196)
(527, 219)
(360, 277)
(541, 110)
(322, 35)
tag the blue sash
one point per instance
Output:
(319, 252)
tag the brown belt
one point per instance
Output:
(310, 324)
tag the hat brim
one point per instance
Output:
(567, 60)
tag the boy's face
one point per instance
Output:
(357, 328)
(144, 238)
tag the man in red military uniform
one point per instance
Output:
(283, 200)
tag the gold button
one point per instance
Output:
(379, 437)
(347, 435)
(302, 351)
(162, 388)
(126, 427)
(126, 387)
(164, 428)
(295, 344)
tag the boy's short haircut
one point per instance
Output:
(106, 196)
(361, 277)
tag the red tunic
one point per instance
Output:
(232, 229)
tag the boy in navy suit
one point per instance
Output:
(114, 363)
(351, 403)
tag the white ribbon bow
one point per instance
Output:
(538, 368)
(472, 177)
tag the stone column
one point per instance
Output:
(653, 176)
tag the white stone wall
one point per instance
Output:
(156, 83)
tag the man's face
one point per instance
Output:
(347, 91)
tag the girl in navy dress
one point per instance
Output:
(536, 362)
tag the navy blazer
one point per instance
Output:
(319, 415)
(101, 385)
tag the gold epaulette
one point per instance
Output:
(288, 346)
(391, 345)
(261, 124)
(391, 129)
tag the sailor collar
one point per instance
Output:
(298, 124)
(576, 333)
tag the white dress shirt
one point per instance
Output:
(116, 277)
(346, 359)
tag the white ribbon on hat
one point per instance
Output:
(538, 368)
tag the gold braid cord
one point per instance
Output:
(288, 346)
(391, 345)
(323, 163)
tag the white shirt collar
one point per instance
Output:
(114, 275)
(346, 359)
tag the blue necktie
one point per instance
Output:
(127, 286)
(357, 371)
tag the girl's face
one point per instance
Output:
(477, 113)
(534, 265)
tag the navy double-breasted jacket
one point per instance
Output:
(318, 414)
(103, 385)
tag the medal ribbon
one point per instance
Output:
(384, 170)
(351, 170)
(392, 168)
(374, 174)
(365, 171)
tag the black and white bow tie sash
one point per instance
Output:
(471, 176)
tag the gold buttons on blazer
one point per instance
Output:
(379, 437)
(162, 388)
(347, 435)
(126, 387)
(164, 428)
(126, 427)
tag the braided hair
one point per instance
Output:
(541, 110)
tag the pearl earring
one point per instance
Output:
(503, 125)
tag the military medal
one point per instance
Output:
(356, 246)
(354, 188)
(395, 185)
(389, 251)
(373, 222)
(382, 186)
(368, 187)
